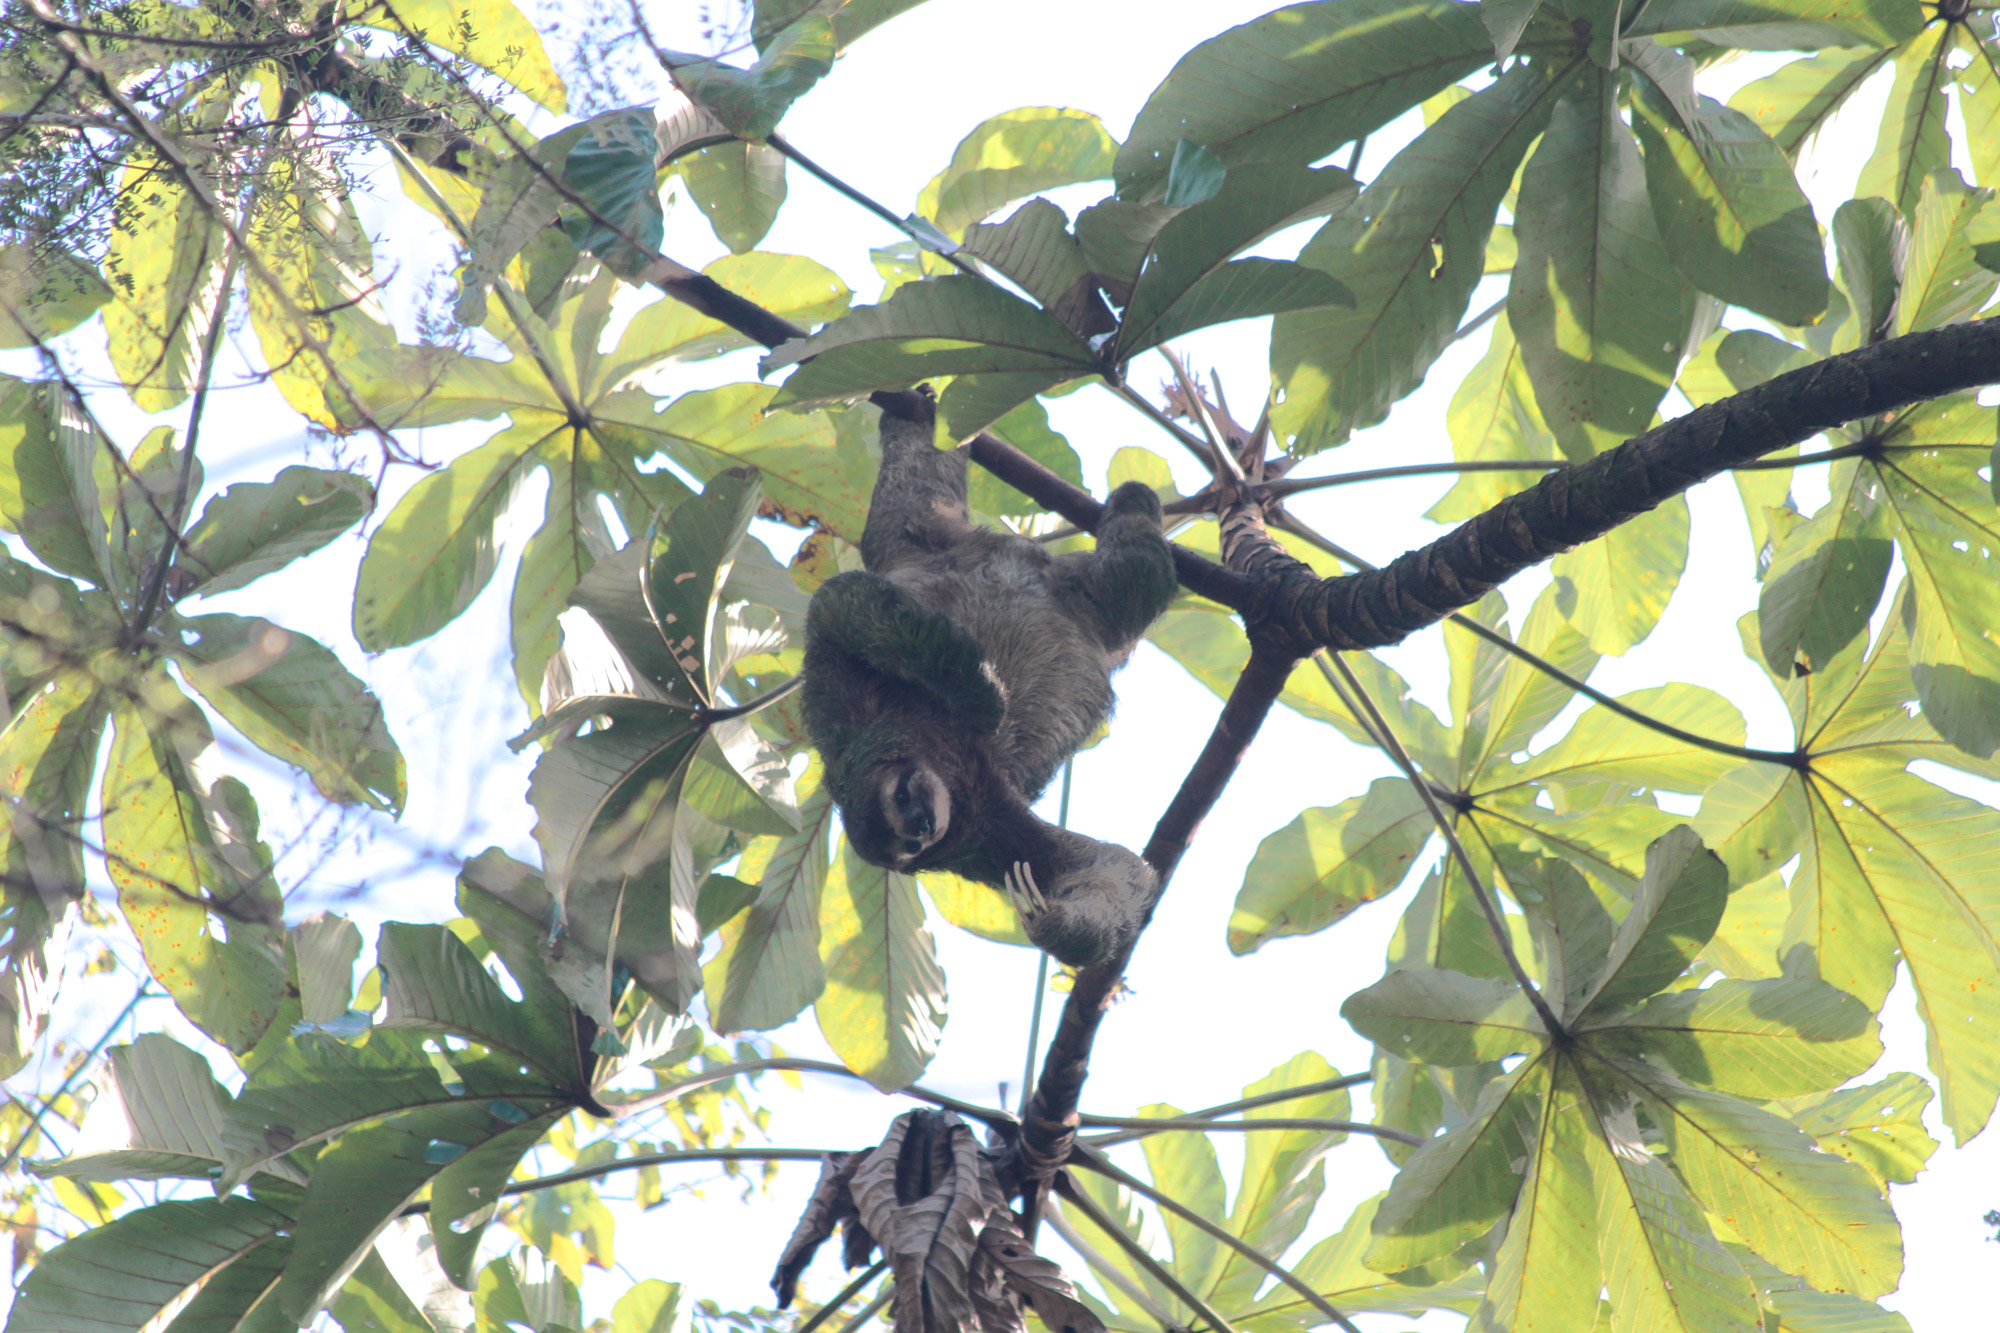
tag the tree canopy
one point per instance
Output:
(1622, 1027)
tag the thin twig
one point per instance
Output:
(1251, 1103)
(1102, 1165)
(1494, 920)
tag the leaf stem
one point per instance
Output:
(843, 1296)
(827, 178)
(1465, 622)
(870, 1310)
(1092, 1160)
(709, 716)
(1143, 1128)
(624, 1110)
(1355, 693)
(1076, 1198)
(1110, 1272)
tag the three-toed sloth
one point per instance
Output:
(946, 685)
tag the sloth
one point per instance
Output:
(949, 682)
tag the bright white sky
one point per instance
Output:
(1199, 1024)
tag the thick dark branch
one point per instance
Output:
(1577, 504)
(1049, 1128)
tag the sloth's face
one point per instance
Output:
(916, 807)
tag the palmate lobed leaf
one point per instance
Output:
(1781, 1037)
(1445, 1018)
(1011, 156)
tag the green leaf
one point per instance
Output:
(768, 968)
(181, 847)
(1753, 818)
(164, 265)
(1872, 246)
(325, 948)
(751, 102)
(1674, 911)
(1798, 101)
(118, 1277)
(741, 186)
(1614, 589)
(50, 291)
(1947, 533)
(1547, 1273)
(1879, 1126)
(947, 326)
(1877, 22)
(1781, 1037)
(492, 34)
(1011, 156)
(1241, 289)
(616, 858)
(1283, 1174)
(1806, 1211)
(361, 1182)
(1194, 175)
(1886, 867)
(1943, 280)
(1571, 929)
(1411, 248)
(1441, 1017)
(1915, 138)
(740, 781)
(373, 1301)
(47, 755)
(789, 286)
(1456, 1185)
(1595, 302)
(294, 700)
(1605, 747)
(433, 983)
(49, 489)
(466, 1195)
(649, 1306)
(1327, 862)
(883, 1008)
(318, 310)
(1026, 427)
(1493, 418)
(436, 549)
(617, 214)
(255, 527)
(1297, 83)
(1729, 210)
(1501, 700)
(1034, 249)
(1826, 578)
(1183, 1166)
(1663, 1268)
(1256, 200)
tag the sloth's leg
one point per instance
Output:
(1123, 586)
(919, 502)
